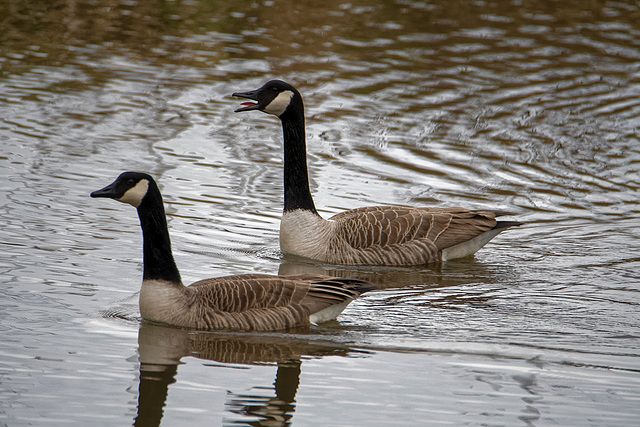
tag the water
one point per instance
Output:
(528, 107)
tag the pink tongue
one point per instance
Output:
(249, 104)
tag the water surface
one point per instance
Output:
(527, 107)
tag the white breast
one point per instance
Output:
(306, 234)
(160, 301)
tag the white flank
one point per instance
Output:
(329, 313)
(304, 233)
(279, 103)
(469, 247)
(134, 195)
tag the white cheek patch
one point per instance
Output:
(134, 195)
(279, 103)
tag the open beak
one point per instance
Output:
(248, 106)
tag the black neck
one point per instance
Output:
(158, 262)
(296, 178)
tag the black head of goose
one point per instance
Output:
(378, 235)
(243, 302)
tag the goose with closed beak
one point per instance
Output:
(378, 235)
(249, 302)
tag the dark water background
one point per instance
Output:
(532, 107)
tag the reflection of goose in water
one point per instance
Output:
(162, 348)
(270, 410)
(451, 285)
(452, 273)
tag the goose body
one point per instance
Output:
(378, 235)
(241, 302)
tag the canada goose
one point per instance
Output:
(245, 302)
(378, 235)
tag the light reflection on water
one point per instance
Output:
(522, 108)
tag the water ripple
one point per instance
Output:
(530, 108)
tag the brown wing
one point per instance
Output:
(264, 302)
(390, 225)
(234, 294)
(328, 291)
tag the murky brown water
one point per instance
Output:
(519, 105)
